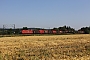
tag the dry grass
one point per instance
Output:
(58, 47)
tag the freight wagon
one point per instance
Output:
(27, 31)
(43, 31)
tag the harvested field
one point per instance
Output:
(58, 47)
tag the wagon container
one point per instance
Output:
(41, 31)
(60, 31)
(54, 31)
(46, 31)
(27, 31)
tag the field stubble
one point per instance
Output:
(58, 47)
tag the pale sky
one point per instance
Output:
(45, 13)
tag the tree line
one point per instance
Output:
(68, 29)
(85, 29)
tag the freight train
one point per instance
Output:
(44, 31)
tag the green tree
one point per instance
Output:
(87, 31)
(55, 28)
(25, 28)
